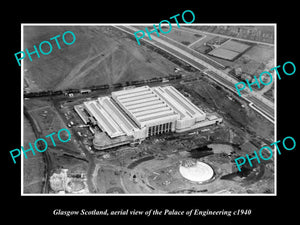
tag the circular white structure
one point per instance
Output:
(199, 172)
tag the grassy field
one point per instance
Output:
(183, 37)
(34, 168)
(256, 33)
(99, 56)
(256, 59)
(49, 121)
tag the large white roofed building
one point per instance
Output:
(189, 114)
(146, 111)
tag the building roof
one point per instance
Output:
(110, 117)
(118, 116)
(144, 106)
(199, 172)
(183, 106)
(104, 121)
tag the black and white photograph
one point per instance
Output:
(143, 112)
(161, 116)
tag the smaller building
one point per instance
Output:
(85, 91)
(196, 171)
(80, 110)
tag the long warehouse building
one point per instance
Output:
(143, 111)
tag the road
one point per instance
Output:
(209, 67)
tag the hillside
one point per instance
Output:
(97, 57)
